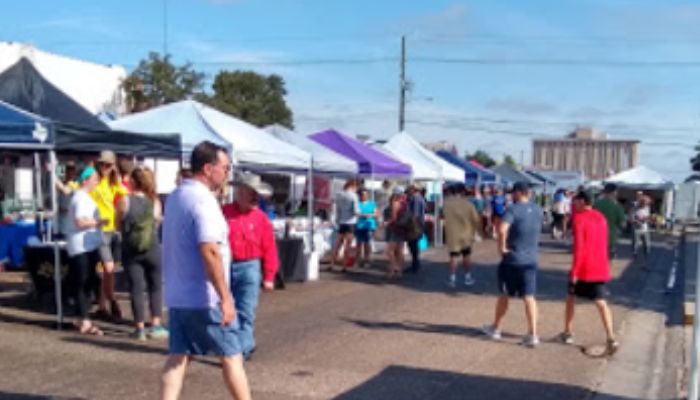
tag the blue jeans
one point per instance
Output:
(246, 278)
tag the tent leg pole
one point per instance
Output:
(310, 203)
(56, 251)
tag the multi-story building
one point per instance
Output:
(588, 151)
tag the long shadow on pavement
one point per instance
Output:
(404, 383)
(24, 396)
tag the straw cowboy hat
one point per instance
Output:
(254, 182)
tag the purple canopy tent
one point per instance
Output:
(371, 162)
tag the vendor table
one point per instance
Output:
(292, 261)
(39, 261)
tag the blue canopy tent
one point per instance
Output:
(473, 175)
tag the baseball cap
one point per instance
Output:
(610, 187)
(521, 187)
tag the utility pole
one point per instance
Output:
(165, 28)
(403, 86)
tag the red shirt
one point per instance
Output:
(591, 262)
(251, 237)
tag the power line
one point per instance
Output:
(560, 62)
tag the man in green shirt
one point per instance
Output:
(614, 214)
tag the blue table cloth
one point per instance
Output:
(13, 238)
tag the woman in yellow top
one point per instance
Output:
(105, 196)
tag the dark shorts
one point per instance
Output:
(363, 235)
(465, 252)
(344, 229)
(199, 332)
(589, 290)
(111, 248)
(517, 280)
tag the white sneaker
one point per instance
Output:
(530, 341)
(452, 282)
(468, 280)
(491, 332)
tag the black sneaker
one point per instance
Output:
(612, 346)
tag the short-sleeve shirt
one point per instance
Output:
(347, 207)
(193, 217)
(614, 214)
(523, 241)
(367, 223)
(498, 205)
(105, 195)
(82, 240)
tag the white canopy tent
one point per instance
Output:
(425, 164)
(252, 147)
(324, 160)
(649, 181)
(183, 117)
(96, 87)
(640, 178)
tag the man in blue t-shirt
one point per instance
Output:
(518, 243)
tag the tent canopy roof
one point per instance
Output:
(370, 161)
(324, 159)
(197, 122)
(182, 117)
(23, 86)
(512, 175)
(640, 177)
(425, 164)
(95, 87)
(23, 128)
(252, 146)
(471, 171)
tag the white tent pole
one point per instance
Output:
(310, 201)
(56, 250)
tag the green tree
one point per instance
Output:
(482, 158)
(510, 161)
(255, 98)
(695, 161)
(158, 81)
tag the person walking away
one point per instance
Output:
(138, 216)
(518, 244)
(195, 253)
(590, 270)
(254, 254)
(395, 217)
(614, 215)
(558, 214)
(498, 209)
(416, 205)
(83, 241)
(346, 212)
(462, 224)
(105, 195)
(640, 222)
(366, 225)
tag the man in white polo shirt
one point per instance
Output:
(202, 318)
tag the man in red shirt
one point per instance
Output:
(253, 253)
(590, 270)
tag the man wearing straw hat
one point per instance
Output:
(253, 253)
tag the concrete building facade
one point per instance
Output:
(587, 151)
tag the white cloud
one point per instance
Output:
(84, 24)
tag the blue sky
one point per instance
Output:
(489, 103)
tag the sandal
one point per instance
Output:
(92, 330)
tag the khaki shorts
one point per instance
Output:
(111, 248)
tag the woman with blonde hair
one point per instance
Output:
(139, 215)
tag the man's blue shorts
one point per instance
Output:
(517, 280)
(199, 332)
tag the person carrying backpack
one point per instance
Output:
(139, 215)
